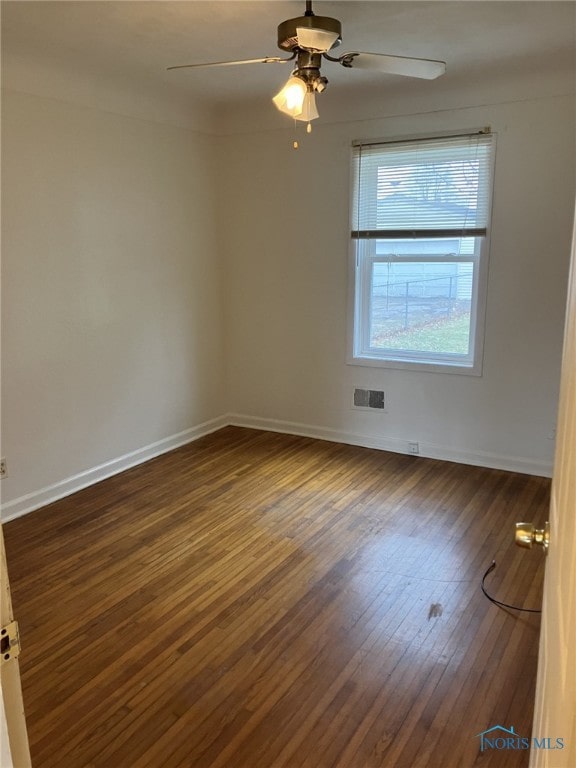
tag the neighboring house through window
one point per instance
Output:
(420, 215)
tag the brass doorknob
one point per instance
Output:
(527, 535)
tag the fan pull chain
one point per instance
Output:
(295, 143)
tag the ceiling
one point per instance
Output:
(128, 44)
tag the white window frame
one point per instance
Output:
(359, 350)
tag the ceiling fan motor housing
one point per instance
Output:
(288, 36)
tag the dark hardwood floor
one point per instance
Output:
(256, 600)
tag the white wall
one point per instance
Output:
(112, 321)
(286, 256)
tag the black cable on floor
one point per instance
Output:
(497, 602)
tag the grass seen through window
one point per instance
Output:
(445, 335)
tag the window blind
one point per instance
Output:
(422, 188)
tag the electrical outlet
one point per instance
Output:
(3, 469)
(413, 448)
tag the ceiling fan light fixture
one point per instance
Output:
(309, 38)
(291, 98)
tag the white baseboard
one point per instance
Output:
(36, 499)
(40, 498)
(396, 445)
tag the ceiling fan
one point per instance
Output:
(309, 38)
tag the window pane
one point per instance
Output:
(441, 183)
(425, 249)
(420, 226)
(421, 306)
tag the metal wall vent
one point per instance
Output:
(369, 398)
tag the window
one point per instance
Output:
(420, 215)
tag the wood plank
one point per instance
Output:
(258, 600)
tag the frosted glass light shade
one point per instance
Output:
(291, 98)
(316, 39)
(309, 111)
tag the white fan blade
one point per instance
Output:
(394, 65)
(266, 60)
(316, 39)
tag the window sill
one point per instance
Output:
(433, 366)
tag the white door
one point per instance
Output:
(555, 707)
(14, 750)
